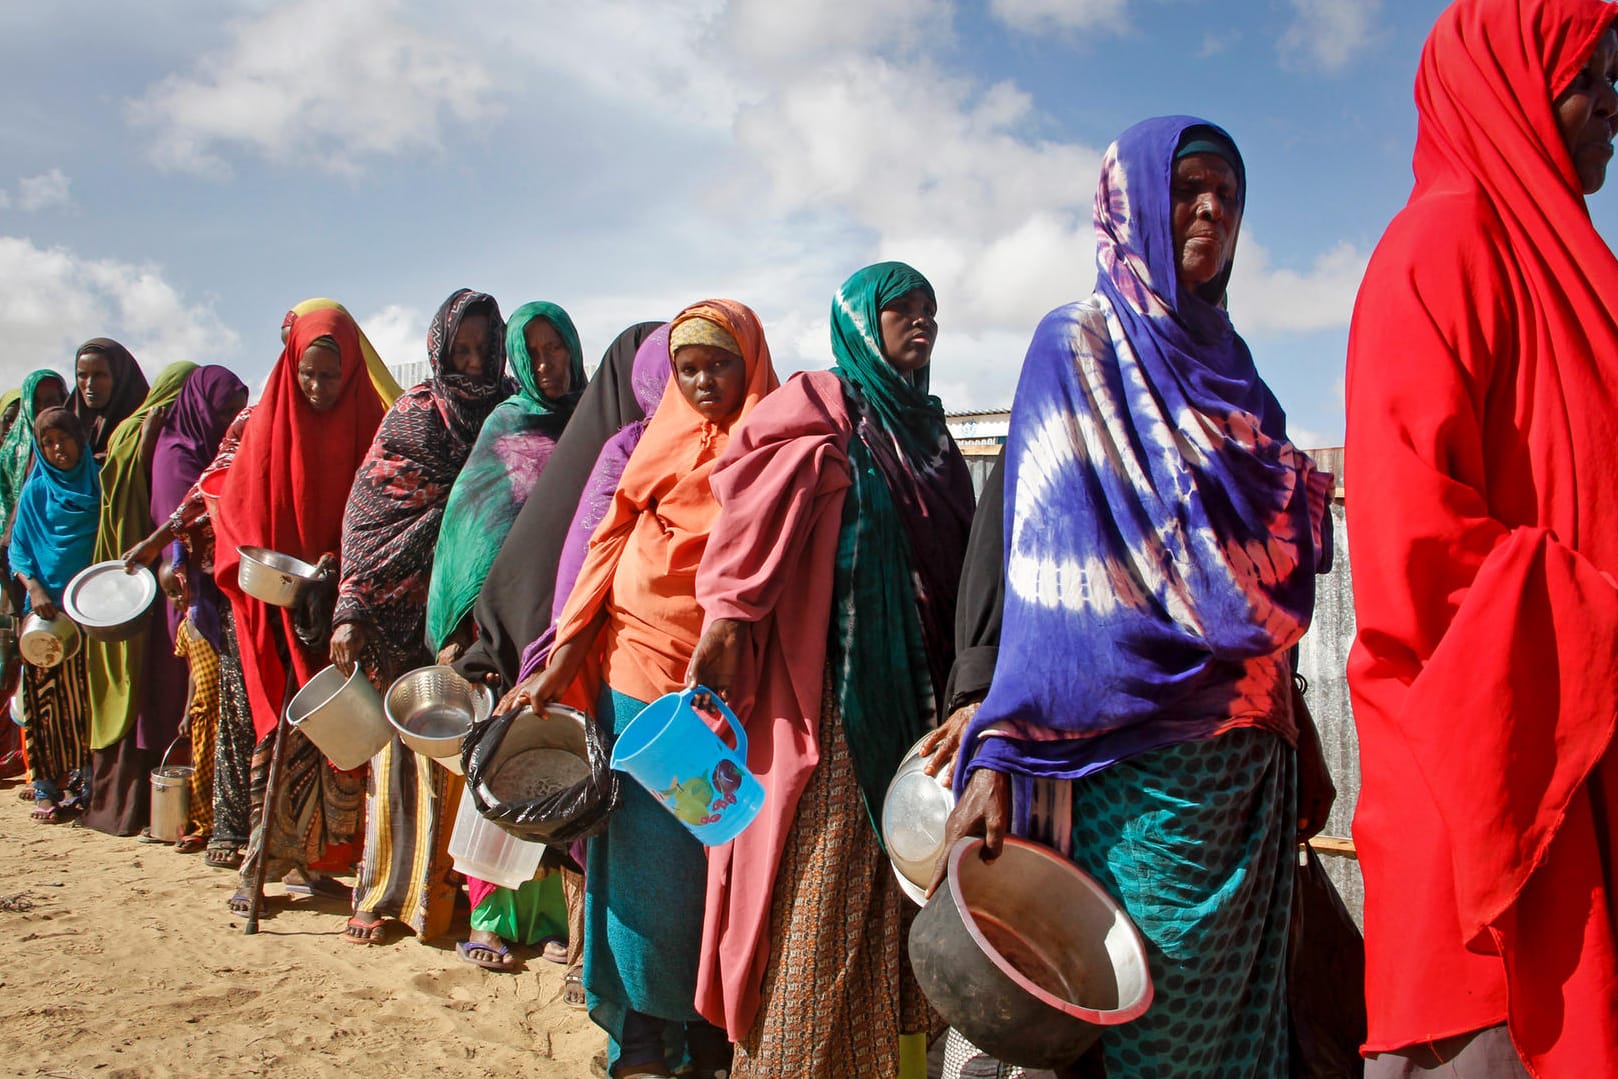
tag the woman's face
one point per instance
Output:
(548, 353)
(60, 448)
(94, 375)
(712, 380)
(1207, 217)
(320, 377)
(1587, 113)
(233, 404)
(50, 393)
(909, 330)
(470, 347)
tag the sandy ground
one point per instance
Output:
(127, 965)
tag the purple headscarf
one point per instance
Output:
(187, 445)
(1162, 534)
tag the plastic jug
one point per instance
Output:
(481, 848)
(671, 752)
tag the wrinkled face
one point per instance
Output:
(94, 375)
(60, 448)
(712, 380)
(50, 393)
(1207, 217)
(320, 377)
(550, 357)
(1587, 113)
(470, 347)
(909, 330)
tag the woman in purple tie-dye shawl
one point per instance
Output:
(1162, 536)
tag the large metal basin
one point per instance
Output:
(1027, 956)
(433, 708)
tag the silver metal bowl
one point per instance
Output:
(1028, 956)
(109, 602)
(915, 811)
(48, 642)
(277, 579)
(433, 708)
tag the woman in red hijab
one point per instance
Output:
(1482, 406)
(286, 490)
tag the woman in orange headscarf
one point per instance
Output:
(633, 615)
(1481, 411)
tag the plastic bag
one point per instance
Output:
(571, 813)
(1325, 978)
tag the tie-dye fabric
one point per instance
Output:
(1162, 533)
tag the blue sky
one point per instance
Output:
(176, 175)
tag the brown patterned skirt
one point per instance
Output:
(58, 709)
(838, 990)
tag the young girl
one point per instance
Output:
(52, 539)
(201, 697)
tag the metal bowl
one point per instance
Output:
(277, 579)
(1027, 956)
(538, 756)
(915, 811)
(432, 709)
(108, 602)
(48, 642)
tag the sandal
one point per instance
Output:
(573, 990)
(51, 813)
(360, 932)
(222, 857)
(190, 844)
(502, 961)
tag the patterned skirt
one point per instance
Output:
(406, 871)
(233, 746)
(57, 737)
(318, 808)
(838, 990)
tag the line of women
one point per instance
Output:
(1102, 655)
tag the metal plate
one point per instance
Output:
(105, 595)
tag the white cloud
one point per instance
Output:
(1038, 16)
(398, 333)
(1267, 300)
(40, 192)
(769, 30)
(1327, 33)
(52, 299)
(326, 85)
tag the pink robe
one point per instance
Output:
(769, 562)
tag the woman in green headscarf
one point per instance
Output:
(137, 687)
(511, 451)
(828, 587)
(41, 390)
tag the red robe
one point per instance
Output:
(1482, 408)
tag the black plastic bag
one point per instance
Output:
(570, 814)
(1325, 978)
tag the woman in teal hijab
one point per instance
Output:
(512, 449)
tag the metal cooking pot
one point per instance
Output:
(341, 715)
(433, 708)
(1027, 956)
(48, 642)
(277, 579)
(537, 754)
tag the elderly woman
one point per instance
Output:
(390, 527)
(286, 490)
(52, 538)
(1161, 540)
(633, 613)
(108, 386)
(829, 587)
(1481, 412)
(137, 687)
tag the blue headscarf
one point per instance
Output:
(1161, 531)
(55, 531)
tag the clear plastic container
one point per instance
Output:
(483, 849)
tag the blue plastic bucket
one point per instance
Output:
(706, 784)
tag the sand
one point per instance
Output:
(128, 965)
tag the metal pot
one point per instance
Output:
(277, 579)
(1027, 956)
(539, 753)
(48, 642)
(915, 811)
(109, 602)
(433, 708)
(342, 716)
